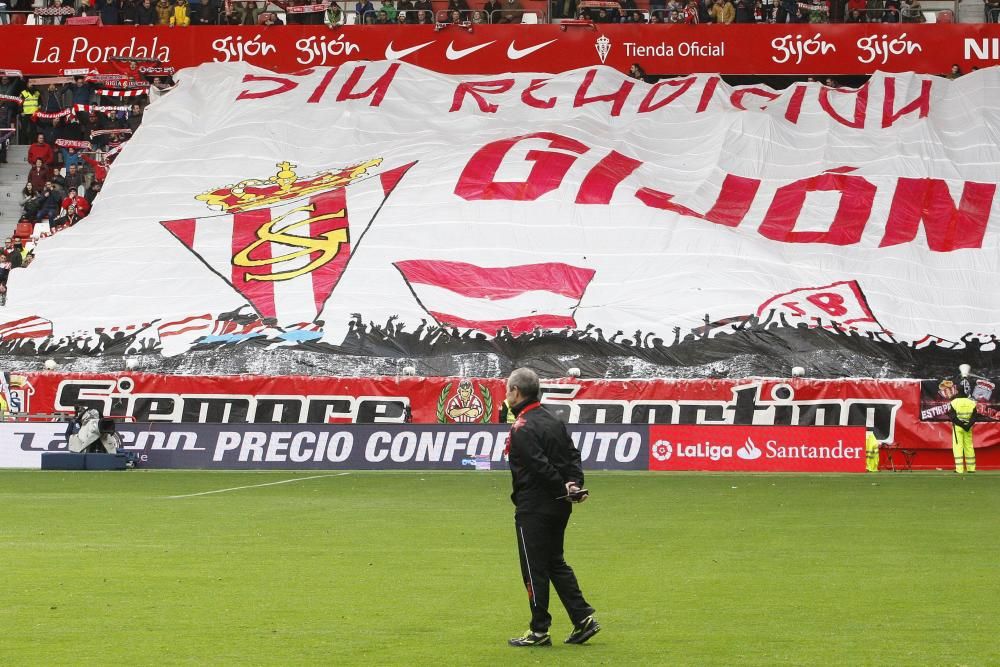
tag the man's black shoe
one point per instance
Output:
(531, 639)
(584, 631)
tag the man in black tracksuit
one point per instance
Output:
(544, 466)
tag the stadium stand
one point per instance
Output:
(305, 12)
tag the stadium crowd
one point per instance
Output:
(182, 13)
(74, 137)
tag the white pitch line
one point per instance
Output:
(254, 486)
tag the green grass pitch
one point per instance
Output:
(415, 568)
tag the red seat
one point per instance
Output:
(23, 230)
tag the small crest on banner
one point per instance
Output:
(603, 46)
(465, 406)
(947, 389)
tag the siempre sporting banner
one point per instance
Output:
(892, 408)
(580, 216)
(792, 49)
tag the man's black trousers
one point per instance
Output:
(540, 548)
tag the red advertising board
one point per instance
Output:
(792, 49)
(757, 448)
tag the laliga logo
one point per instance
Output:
(603, 46)
(789, 47)
(749, 451)
(662, 450)
(873, 47)
(236, 49)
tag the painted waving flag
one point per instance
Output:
(26, 327)
(284, 243)
(519, 298)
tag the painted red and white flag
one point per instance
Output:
(841, 302)
(179, 335)
(488, 299)
(286, 259)
(26, 327)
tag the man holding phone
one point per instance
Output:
(547, 480)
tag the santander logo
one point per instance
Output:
(749, 451)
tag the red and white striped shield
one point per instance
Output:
(286, 259)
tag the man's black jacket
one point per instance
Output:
(542, 459)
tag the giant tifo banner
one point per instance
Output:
(659, 49)
(383, 210)
(905, 413)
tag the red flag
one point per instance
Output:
(519, 298)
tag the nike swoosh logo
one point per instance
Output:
(454, 54)
(515, 53)
(393, 54)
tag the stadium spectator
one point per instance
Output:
(856, 16)
(39, 174)
(955, 72)
(68, 219)
(31, 201)
(546, 472)
(93, 190)
(364, 9)
(426, 7)
(50, 203)
(16, 255)
(86, 10)
(74, 178)
(206, 13)
(163, 12)
(424, 17)
(744, 11)
(891, 14)
(80, 92)
(513, 12)
(992, 9)
(108, 10)
(723, 12)
(10, 87)
(145, 14)
(179, 16)
(636, 72)
(911, 11)
(460, 6)
(5, 267)
(335, 17)
(492, 10)
(630, 12)
(53, 99)
(158, 88)
(129, 12)
(691, 13)
(477, 17)
(77, 202)
(390, 10)
(787, 11)
(251, 12)
(29, 105)
(270, 18)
